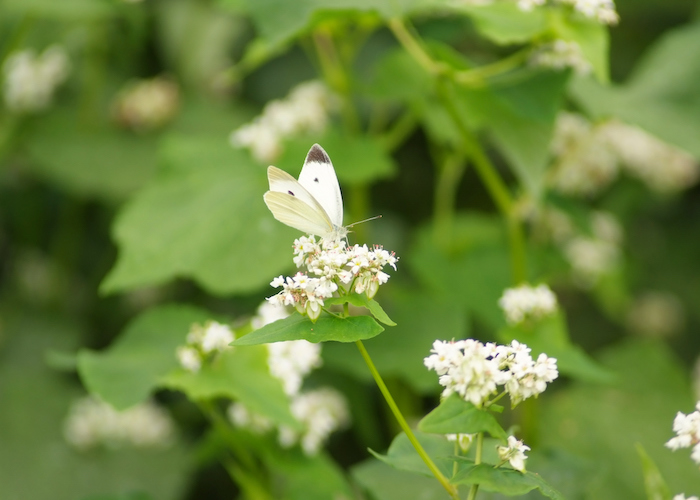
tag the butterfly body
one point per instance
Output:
(313, 204)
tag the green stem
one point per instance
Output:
(477, 460)
(479, 75)
(449, 175)
(495, 185)
(404, 425)
(402, 127)
(414, 48)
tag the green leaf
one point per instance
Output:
(654, 483)
(403, 456)
(132, 367)
(505, 481)
(399, 352)
(358, 160)
(203, 217)
(326, 328)
(123, 496)
(307, 478)
(361, 300)
(242, 374)
(473, 271)
(661, 95)
(280, 20)
(604, 424)
(520, 118)
(505, 23)
(67, 10)
(454, 415)
(90, 159)
(36, 401)
(592, 36)
(387, 483)
(550, 336)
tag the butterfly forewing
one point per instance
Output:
(319, 179)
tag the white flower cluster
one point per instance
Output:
(331, 264)
(147, 104)
(31, 80)
(681, 496)
(661, 166)
(475, 370)
(202, 343)
(91, 422)
(526, 302)
(514, 453)
(559, 55)
(585, 163)
(602, 11)
(687, 429)
(305, 109)
(321, 412)
(588, 158)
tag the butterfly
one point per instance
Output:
(313, 204)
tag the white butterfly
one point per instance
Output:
(313, 204)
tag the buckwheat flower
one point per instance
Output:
(268, 313)
(681, 496)
(321, 412)
(305, 109)
(687, 429)
(30, 80)
(446, 354)
(585, 162)
(514, 453)
(602, 11)
(217, 337)
(526, 302)
(146, 104)
(291, 361)
(190, 358)
(591, 258)
(241, 416)
(559, 55)
(91, 423)
(662, 167)
(656, 314)
(528, 5)
(464, 441)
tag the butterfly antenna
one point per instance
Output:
(366, 220)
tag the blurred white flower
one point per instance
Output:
(656, 314)
(559, 55)
(305, 109)
(514, 453)
(31, 80)
(464, 441)
(202, 343)
(662, 167)
(528, 5)
(525, 302)
(91, 422)
(291, 361)
(241, 416)
(268, 312)
(584, 161)
(321, 412)
(681, 496)
(148, 104)
(602, 11)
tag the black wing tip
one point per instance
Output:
(317, 154)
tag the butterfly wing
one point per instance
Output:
(319, 179)
(291, 204)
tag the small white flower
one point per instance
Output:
(321, 412)
(681, 496)
(190, 358)
(31, 80)
(217, 337)
(525, 302)
(305, 109)
(656, 314)
(464, 441)
(528, 5)
(559, 55)
(147, 104)
(242, 417)
(291, 361)
(514, 453)
(687, 429)
(268, 312)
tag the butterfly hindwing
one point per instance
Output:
(319, 178)
(294, 212)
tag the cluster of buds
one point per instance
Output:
(330, 266)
